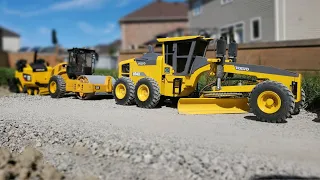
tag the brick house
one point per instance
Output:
(155, 18)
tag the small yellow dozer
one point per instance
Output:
(273, 95)
(77, 77)
(33, 78)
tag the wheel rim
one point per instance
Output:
(20, 88)
(121, 91)
(82, 95)
(53, 87)
(29, 91)
(36, 92)
(269, 102)
(143, 92)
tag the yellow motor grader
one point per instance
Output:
(78, 77)
(273, 94)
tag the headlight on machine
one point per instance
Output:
(27, 77)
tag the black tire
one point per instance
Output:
(60, 87)
(128, 99)
(286, 98)
(25, 90)
(20, 64)
(154, 93)
(300, 105)
(32, 91)
(13, 85)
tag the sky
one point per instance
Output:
(78, 23)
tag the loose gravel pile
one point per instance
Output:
(100, 139)
(28, 165)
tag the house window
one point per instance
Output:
(237, 30)
(223, 2)
(256, 29)
(196, 10)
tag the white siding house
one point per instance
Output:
(10, 41)
(297, 19)
(257, 20)
(107, 62)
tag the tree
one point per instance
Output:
(54, 37)
(112, 50)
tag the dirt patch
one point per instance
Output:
(27, 165)
(4, 91)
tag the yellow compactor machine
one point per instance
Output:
(273, 94)
(33, 78)
(78, 77)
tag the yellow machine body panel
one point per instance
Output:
(29, 78)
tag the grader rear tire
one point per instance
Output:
(123, 91)
(147, 93)
(271, 102)
(57, 87)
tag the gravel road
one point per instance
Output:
(101, 139)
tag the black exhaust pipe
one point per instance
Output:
(233, 51)
(35, 56)
(221, 49)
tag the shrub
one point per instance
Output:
(5, 74)
(311, 86)
(107, 72)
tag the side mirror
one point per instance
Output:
(97, 56)
(150, 48)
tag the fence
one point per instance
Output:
(298, 55)
(9, 59)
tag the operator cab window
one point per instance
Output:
(72, 58)
(169, 53)
(183, 49)
(200, 48)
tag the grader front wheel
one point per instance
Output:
(271, 101)
(123, 91)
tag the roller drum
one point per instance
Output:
(95, 79)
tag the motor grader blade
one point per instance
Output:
(213, 105)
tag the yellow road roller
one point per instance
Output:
(272, 95)
(78, 77)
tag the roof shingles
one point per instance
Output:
(6, 32)
(159, 10)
